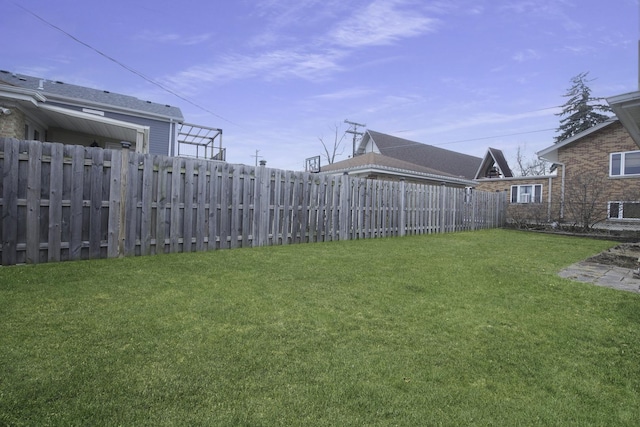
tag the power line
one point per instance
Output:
(121, 64)
(470, 140)
(495, 136)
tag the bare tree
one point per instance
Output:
(334, 148)
(530, 167)
(584, 199)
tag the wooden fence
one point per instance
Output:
(64, 202)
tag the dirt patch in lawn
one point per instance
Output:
(624, 255)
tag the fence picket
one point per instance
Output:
(33, 203)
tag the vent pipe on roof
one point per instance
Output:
(41, 84)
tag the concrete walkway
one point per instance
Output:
(602, 275)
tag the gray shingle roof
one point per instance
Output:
(375, 159)
(57, 91)
(439, 159)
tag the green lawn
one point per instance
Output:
(456, 329)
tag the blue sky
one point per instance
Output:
(277, 74)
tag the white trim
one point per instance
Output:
(620, 216)
(623, 155)
(525, 198)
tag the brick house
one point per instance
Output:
(596, 180)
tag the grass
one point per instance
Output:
(456, 329)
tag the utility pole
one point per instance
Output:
(355, 133)
(256, 156)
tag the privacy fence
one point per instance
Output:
(63, 202)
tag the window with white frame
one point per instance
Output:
(526, 193)
(623, 164)
(624, 210)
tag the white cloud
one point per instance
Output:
(173, 38)
(269, 66)
(345, 94)
(526, 55)
(382, 22)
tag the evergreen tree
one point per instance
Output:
(581, 111)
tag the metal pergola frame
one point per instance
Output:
(200, 142)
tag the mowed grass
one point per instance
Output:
(456, 329)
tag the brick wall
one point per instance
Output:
(12, 125)
(530, 212)
(591, 155)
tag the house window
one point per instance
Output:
(624, 210)
(622, 164)
(526, 193)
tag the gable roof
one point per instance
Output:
(494, 157)
(57, 91)
(439, 159)
(551, 153)
(378, 163)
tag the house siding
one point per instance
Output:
(159, 132)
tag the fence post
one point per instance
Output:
(10, 202)
(443, 215)
(34, 183)
(261, 207)
(117, 203)
(402, 220)
(344, 207)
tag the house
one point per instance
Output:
(446, 161)
(597, 176)
(39, 109)
(382, 156)
(377, 166)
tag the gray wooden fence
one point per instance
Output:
(64, 202)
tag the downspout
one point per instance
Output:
(562, 182)
(549, 200)
(173, 149)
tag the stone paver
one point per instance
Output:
(602, 275)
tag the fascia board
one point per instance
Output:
(404, 173)
(21, 94)
(113, 108)
(93, 117)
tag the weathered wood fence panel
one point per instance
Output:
(61, 202)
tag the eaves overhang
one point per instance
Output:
(404, 173)
(91, 124)
(627, 108)
(81, 103)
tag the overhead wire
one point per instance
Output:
(122, 64)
